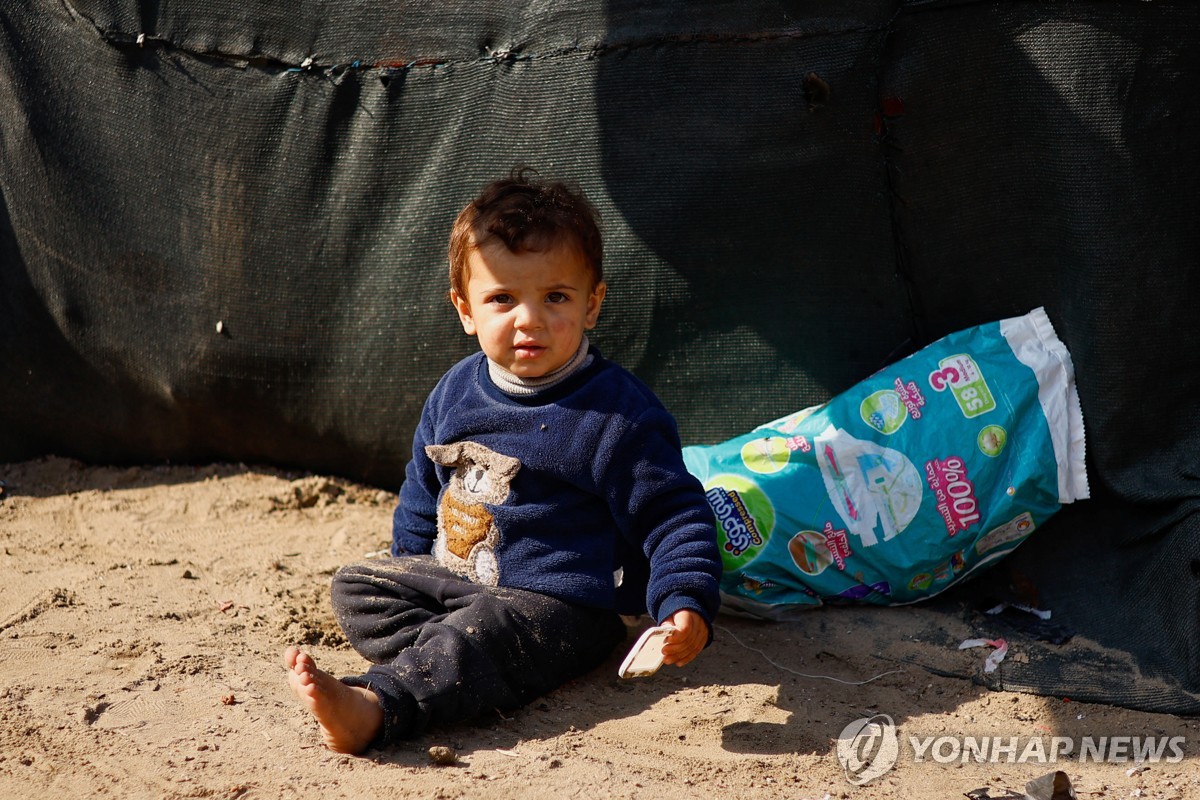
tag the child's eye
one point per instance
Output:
(502, 299)
(557, 297)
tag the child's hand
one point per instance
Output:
(686, 643)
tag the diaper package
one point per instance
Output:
(907, 483)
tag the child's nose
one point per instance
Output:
(528, 316)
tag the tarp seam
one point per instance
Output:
(500, 55)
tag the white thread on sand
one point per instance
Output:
(777, 665)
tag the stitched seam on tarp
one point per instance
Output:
(125, 39)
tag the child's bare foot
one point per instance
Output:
(349, 716)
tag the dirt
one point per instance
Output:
(143, 611)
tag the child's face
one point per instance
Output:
(529, 309)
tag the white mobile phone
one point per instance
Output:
(645, 657)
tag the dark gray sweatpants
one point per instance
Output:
(445, 649)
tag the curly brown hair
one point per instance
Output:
(527, 214)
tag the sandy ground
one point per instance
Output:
(143, 612)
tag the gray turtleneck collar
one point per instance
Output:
(517, 386)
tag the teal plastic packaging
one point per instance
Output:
(907, 483)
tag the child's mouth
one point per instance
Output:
(529, 350)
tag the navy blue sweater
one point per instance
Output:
(567, 492)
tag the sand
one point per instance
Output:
(143, 611)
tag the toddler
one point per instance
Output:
(546, 496)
